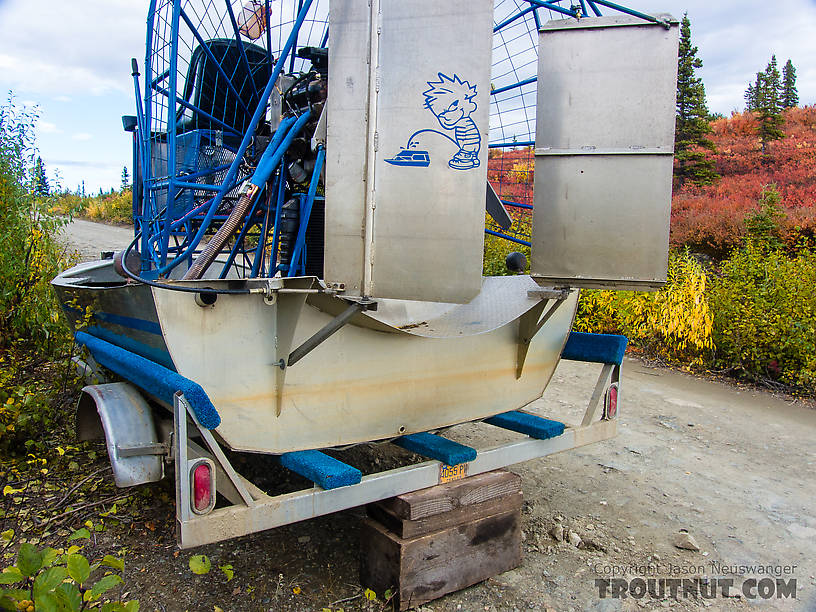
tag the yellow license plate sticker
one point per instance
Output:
(449, 473)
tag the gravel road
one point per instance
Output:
(732, 466)
(89, 239)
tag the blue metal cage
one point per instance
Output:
(203, 128)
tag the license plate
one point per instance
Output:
(449, 473)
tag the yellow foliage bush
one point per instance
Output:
(522, 171)
(675, 322)
(116, 207)
(496, 249)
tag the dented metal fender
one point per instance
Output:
(119, 413)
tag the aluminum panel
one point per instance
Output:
(346, 143)
(604, 146)
(361, 384)
(606, 82)
(422, 230)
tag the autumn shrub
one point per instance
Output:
(30, 255)
(33, 334)
(674, 322)
(116, 207)
(510, 172)
(764, 305)
(68, 204)
(711, 219)
(496, 250)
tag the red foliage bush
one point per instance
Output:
(510, 172)
(712, 218)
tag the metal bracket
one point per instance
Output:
(320, 134)
(532, 321)
(276, 286)
(610, 372)
(330, 328)
(138, 450)
(553, 293)
(181, 412)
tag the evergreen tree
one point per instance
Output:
(752, 94)
(691, 122)
(790, 96)
(125, 179)
(41, 189)
(750, 98)
(769, 105)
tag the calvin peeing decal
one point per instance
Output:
(450, 99)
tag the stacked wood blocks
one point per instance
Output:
(425, 544)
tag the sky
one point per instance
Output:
(71, 59)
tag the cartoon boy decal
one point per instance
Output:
(450, 99)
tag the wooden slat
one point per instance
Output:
(424, 568)
(444, 498)
(463, 514)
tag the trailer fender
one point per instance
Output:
(119, 413)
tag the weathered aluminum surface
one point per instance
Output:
(409, 367)
(270, 512)
(117, 311)
(347, 139)
(604, 146)
(126, 421)
(396, 228)
(503, 299)
(121, 313)
(371, 380)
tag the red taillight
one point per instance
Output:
(611, 402)
(202, 488)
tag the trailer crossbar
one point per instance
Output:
(269, 512)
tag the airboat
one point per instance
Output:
(310, 199)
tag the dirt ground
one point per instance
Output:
(733, 467)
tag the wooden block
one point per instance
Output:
(446, 497)
(421, 569)
(405, 528)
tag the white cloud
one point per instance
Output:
(82, 136)
(735, 41)
(46, 127)
(70, 47)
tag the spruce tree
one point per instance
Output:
(125, 179)
(769, 105)
(753, 93)
(691, 122)
(40, 186)
(790, 96)
(750, 98)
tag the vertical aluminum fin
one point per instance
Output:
(604, 146)
(407, 148)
